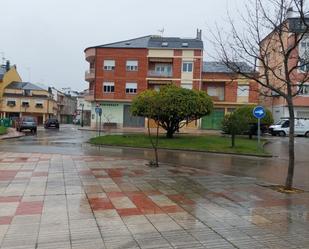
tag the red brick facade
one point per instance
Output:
(120, 76)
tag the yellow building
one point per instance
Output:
(8, 74)
(26, 99)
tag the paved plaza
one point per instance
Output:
(92, 202)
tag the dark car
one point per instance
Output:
(51, 123)
(26, 123)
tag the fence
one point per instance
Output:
(6, 122)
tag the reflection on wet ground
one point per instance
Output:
(69, 140)
(74, 201)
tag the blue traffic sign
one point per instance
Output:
(98, 111)
(259, 112)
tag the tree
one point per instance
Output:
(251, 121)
(269, 42)
(242, 121)
(172, 107)
(234, 124)
(247, 113)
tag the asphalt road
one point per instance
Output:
(70, 140)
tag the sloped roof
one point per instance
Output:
(220, 67)
(151, 41)
(24, 86)
(140, 42)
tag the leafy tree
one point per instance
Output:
(172, 107)
(234, 123)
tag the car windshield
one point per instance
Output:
(28, 119)
(52, 120)
(280, 122)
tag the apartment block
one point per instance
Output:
(292, 27)
(26, 99)
(121, 70)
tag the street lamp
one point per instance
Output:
(82, 117)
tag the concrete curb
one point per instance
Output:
(12, 134)
(183, 150)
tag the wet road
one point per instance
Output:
(69, 140)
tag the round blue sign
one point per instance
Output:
(98, 111)
(259, 112)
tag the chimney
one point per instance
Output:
(7, 65)
(289, 13)
(199, 34)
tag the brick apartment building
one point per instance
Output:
(277, 104)
(119, 71)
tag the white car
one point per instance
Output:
(282, 127)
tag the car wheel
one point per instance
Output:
(34, 130)
(307, 134)
(281, 133)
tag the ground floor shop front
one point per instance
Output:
(115, 115)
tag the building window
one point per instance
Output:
(303, 90)
(243, 91)
(25, 103)
(109, 65)
(304, 55)
(39, 104)
(27, 93)
(216, 92)
(11, 102)
(131, 88)
(132, 65)
(187, 66)
(108, 87)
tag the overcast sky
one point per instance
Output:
(46, 38)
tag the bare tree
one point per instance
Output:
(272, 41)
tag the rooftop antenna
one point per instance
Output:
(161, 31)
(3, 58)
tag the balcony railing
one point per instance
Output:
(90, 54)
(153, 73)
(90, 74)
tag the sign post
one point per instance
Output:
(259, 113)
(98, 111)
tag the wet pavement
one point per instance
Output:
(70, 140)
(92, 202)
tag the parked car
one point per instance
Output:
(51, 122)
(26, 123)
(282, 127)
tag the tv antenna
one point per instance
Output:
(3, 58)
(161, 31)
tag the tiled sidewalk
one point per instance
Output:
(56, 201)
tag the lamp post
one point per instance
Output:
(82, 117)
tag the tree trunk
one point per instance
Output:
(154, 145)
(290, 175)
(233, 140)
(170, 133)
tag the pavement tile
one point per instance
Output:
(85, 202)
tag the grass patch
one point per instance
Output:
(210, 143)
(3, 130)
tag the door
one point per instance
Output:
(131, 121)
(214, 120)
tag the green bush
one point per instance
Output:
(172, 105)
